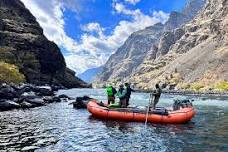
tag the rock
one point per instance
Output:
(25, 104)
(56, 99)
(39, 59)
(48, 99)
(56, 88)
(30, 148)
(36, 102)
(43, 91)
(8, 105)
(81, 102)
(147, 45)
(66, 97)
(7, 92)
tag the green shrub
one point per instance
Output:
(197, 86)
(184, 86)
(222, 86)
(10, 73)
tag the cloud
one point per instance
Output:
(94, 47)
(132, 1)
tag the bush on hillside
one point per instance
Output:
(10, 73)
(222, 86)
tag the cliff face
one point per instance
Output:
(147, 44)
(131, 54)
(197, 59)
(23, 44)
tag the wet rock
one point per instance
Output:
(25, 104)
(56, 99)
(66, 97)
(48, 99)
(36, 101)
(43, 91)
(81, 102)
(8, 105)
(30, 148)
(7, 92)
(56, 88)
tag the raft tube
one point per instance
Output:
(180, 116)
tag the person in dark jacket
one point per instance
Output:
(122, 96)
(157, 95)
(128, 94)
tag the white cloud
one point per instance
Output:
(133, 1)
(94, 47)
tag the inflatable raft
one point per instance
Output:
(159, 115)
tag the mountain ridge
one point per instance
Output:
(24, 45)
(139, 46)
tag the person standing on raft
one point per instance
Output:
(111, 91)
(122, 96)
(157, 95)
(128, 95)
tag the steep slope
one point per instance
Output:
(198, 60)
(146, 44)
(23, 44)
(131, 54)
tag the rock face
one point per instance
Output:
(147, 44)
(131, 54)
(195, 56)
(23, 44)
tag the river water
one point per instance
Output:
(58, 127)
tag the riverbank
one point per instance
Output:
(27, 96)
(190, 93)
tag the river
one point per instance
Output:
(58, 127)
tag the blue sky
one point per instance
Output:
(89, 31)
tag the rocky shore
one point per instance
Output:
(28, 96)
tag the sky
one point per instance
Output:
(89, 31)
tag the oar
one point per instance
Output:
(147, 112)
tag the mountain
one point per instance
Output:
(147, 44)
(196, 58)
(131, 53)
(24, 46)
(90, 74)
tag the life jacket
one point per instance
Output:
(109, 91)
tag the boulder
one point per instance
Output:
(66, 97)
(56, 99)
(7, 92)
(81, 102)
(30, 148)
(36, 102)
(8, 105)
(25, 104)
(43, 91)
(48, 99)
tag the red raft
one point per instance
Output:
(182, 115)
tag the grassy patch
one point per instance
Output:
(222, 86)
(10, 73)
(184, 86)
(197, 86)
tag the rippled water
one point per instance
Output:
(58, 127)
